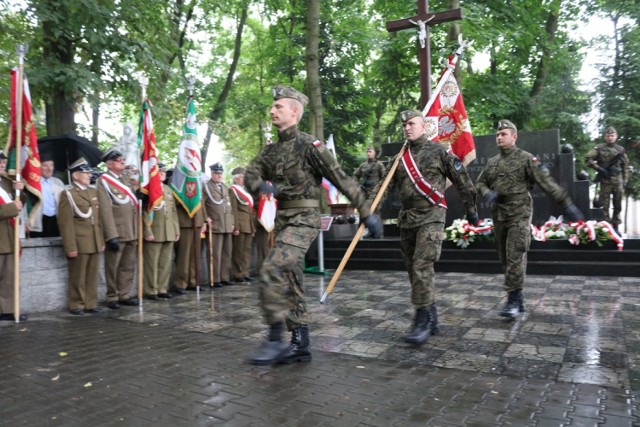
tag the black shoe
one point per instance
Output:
(192, 288)
(165, 295)
(512, 306)
(425, 324)
(298, 350)
(271, 349)
(248, 279)
(217, 285)
(11, 317)
(152, 297)
(77, 312)
(92, 310)
(227, 283)
(113, 305)
(132, 302)
(179, 291)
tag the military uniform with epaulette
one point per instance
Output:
(505, 183)
(612, 164)
(369, 174)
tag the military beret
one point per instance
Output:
(2, 156)
(610, 131)
(506, 124)
(407, 115)
(111, 154)
(281, 91)
(216, 167)
(238, 171)
(80, 165)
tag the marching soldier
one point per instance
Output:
(220, 219)
(9, 211)
(78, 218)
(505, 183)
(421, 183)
(118, 215)
(612, 164)
(370, 172)
(295, 166)
(243, 227)
(160, 233)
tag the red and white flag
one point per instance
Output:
(150, 183)
(446, 117)
(333, 195)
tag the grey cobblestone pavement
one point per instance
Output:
(572, 359)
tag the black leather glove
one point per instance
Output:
(113, 244)
(574, 213)
(473, 218)
(490, 198)
(268, 187)
(374, 225)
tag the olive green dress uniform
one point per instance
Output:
(7, 212)
(188, 249)
(78, 218)
(369, 174)
(295, 165)
(218, 207)
(118, 217)
(512, 174)
(421, 223)
(164, 228)
(612, 186)
(243, 214)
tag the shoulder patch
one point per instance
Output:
(457, 164)
(535, 161)
(317, 143)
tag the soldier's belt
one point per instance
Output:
(298, 204)
(506, 198)
(416, 204)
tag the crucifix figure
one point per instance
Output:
(423, 21)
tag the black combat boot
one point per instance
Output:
(521, 303)
(271, 349)
(424, 325)
(298, 350)
(512, 306)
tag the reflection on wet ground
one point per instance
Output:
(576, 329)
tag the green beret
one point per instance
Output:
(506, 124)
(281, 91)
(407, 115)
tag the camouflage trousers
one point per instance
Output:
(608, 191)
(513, 239)
(421, 248)
(281, 290)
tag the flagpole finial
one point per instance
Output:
(21, 50)
(191, 82)
(144, 83)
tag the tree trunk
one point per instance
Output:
(543, 66)
(222, 98)
(313, 69)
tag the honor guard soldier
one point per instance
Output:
(505, 183)
(243, 227)
(610, 161)
(421, 184)
(118, 216)
(369, 173)
(82, 239)
(220, 219)
(161, 230)
(9, 211)
(295, 165)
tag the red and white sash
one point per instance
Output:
(5, 199)
(422, 185)
(242, 195)
(120, 186)
(267, 210)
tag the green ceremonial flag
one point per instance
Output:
(186, 178)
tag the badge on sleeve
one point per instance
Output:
(457, 164)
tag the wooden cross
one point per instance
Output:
(424, 53)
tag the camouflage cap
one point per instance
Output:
(407, 115)
(610, 131)
(80, 165)
(111, 154)
(216, 167)
(281, 91)
(506, 124)
(238, 171)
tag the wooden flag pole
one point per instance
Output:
(144, 81)
(21, 50)
(211, 276)
(356, 238)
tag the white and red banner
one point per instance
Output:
(333, 195)
(150, 183)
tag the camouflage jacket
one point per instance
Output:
(295, 165)
(512, 174)
(603, 154)
(436, 165)
(369, 173)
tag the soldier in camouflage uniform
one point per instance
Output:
(292, 168)
(505, 183)
(369, 173)
(612, 164)
(421, 221)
